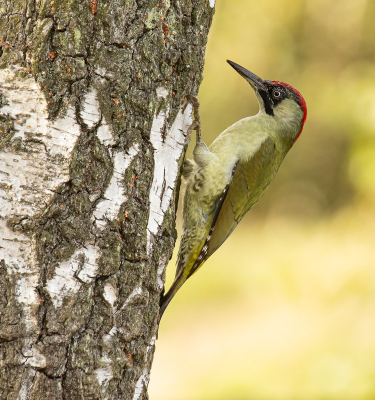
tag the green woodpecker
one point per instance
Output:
(226, 179)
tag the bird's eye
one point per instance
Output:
(276, 94)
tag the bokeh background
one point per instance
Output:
(285, 309)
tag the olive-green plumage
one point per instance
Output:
(226, 179)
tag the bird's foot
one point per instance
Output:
(196, 124)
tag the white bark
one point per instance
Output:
(144, 379)
(115, 194)
(166, 155)
(64, 283)
(28, 181)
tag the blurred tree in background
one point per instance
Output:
(286, 308)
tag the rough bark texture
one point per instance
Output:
(91, 145)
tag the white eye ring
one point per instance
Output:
(276, 94)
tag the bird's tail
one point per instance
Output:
(166, 299)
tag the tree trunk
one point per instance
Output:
(92, 130)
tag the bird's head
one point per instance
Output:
(276, 98)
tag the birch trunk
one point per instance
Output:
(91, 144)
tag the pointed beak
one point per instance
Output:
(255, 82)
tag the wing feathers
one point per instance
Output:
(202, 256)
(248, 184)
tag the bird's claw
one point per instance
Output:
(196, 124)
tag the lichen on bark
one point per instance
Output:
(108, 57)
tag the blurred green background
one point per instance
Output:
(285, 309)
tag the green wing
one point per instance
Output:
(249, 181)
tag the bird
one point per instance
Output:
(225, 180)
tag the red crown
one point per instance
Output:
(301, 102)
